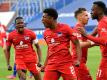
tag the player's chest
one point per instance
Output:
(102, 30)
(56, 37)
(21, 38)
(79, 36)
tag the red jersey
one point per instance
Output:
(2, 34)
(22, 44)
(102, 36)
(82, 38)
(58, 42)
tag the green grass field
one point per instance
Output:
(93, 62)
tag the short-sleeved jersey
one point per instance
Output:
(81, 38)
(2, 35)
(58, 41)
(2, 32)
(102, 32)
(22, 44)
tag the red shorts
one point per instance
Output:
(82, 72)
(102, 71)
(54, 71)
(23, 65)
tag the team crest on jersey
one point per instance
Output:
(59, 34)
(26, 37)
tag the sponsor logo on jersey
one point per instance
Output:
(21, 45)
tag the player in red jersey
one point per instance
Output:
(98, 10)
(25, 56)
(3, 37)
(58, 36)
(82, 19)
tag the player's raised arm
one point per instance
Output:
(94, 33)
(98, 40)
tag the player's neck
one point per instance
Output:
(54, 25)
(82, 25)
(20, 32)
(100, 17)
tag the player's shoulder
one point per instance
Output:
(103, 20)
(47, 31)
(63, 25)
(29, 31)
(12, 32)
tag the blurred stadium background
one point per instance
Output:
(31, 11)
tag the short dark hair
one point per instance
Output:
(18, 18)
(80, 10)
(51, 12)
(100, 4)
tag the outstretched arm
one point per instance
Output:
(94, 33)
(99, 40)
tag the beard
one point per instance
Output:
(21, 30)
(94, 17)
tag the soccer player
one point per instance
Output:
(25, 56)
(3, 37)
(97, 13)
(82, 17)
(58, 36)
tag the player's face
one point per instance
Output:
(20, 25)
(47, 20)
(94, 12)
(84, 17)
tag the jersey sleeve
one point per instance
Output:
(70, 32)
(33, 35)
(9, 40)
(98, 40)
(102, 39)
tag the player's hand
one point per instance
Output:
(38, 66)
(42, 68)
(82, 31)
(9, 68)
(77, 63)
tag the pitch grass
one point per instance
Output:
(92, 63)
